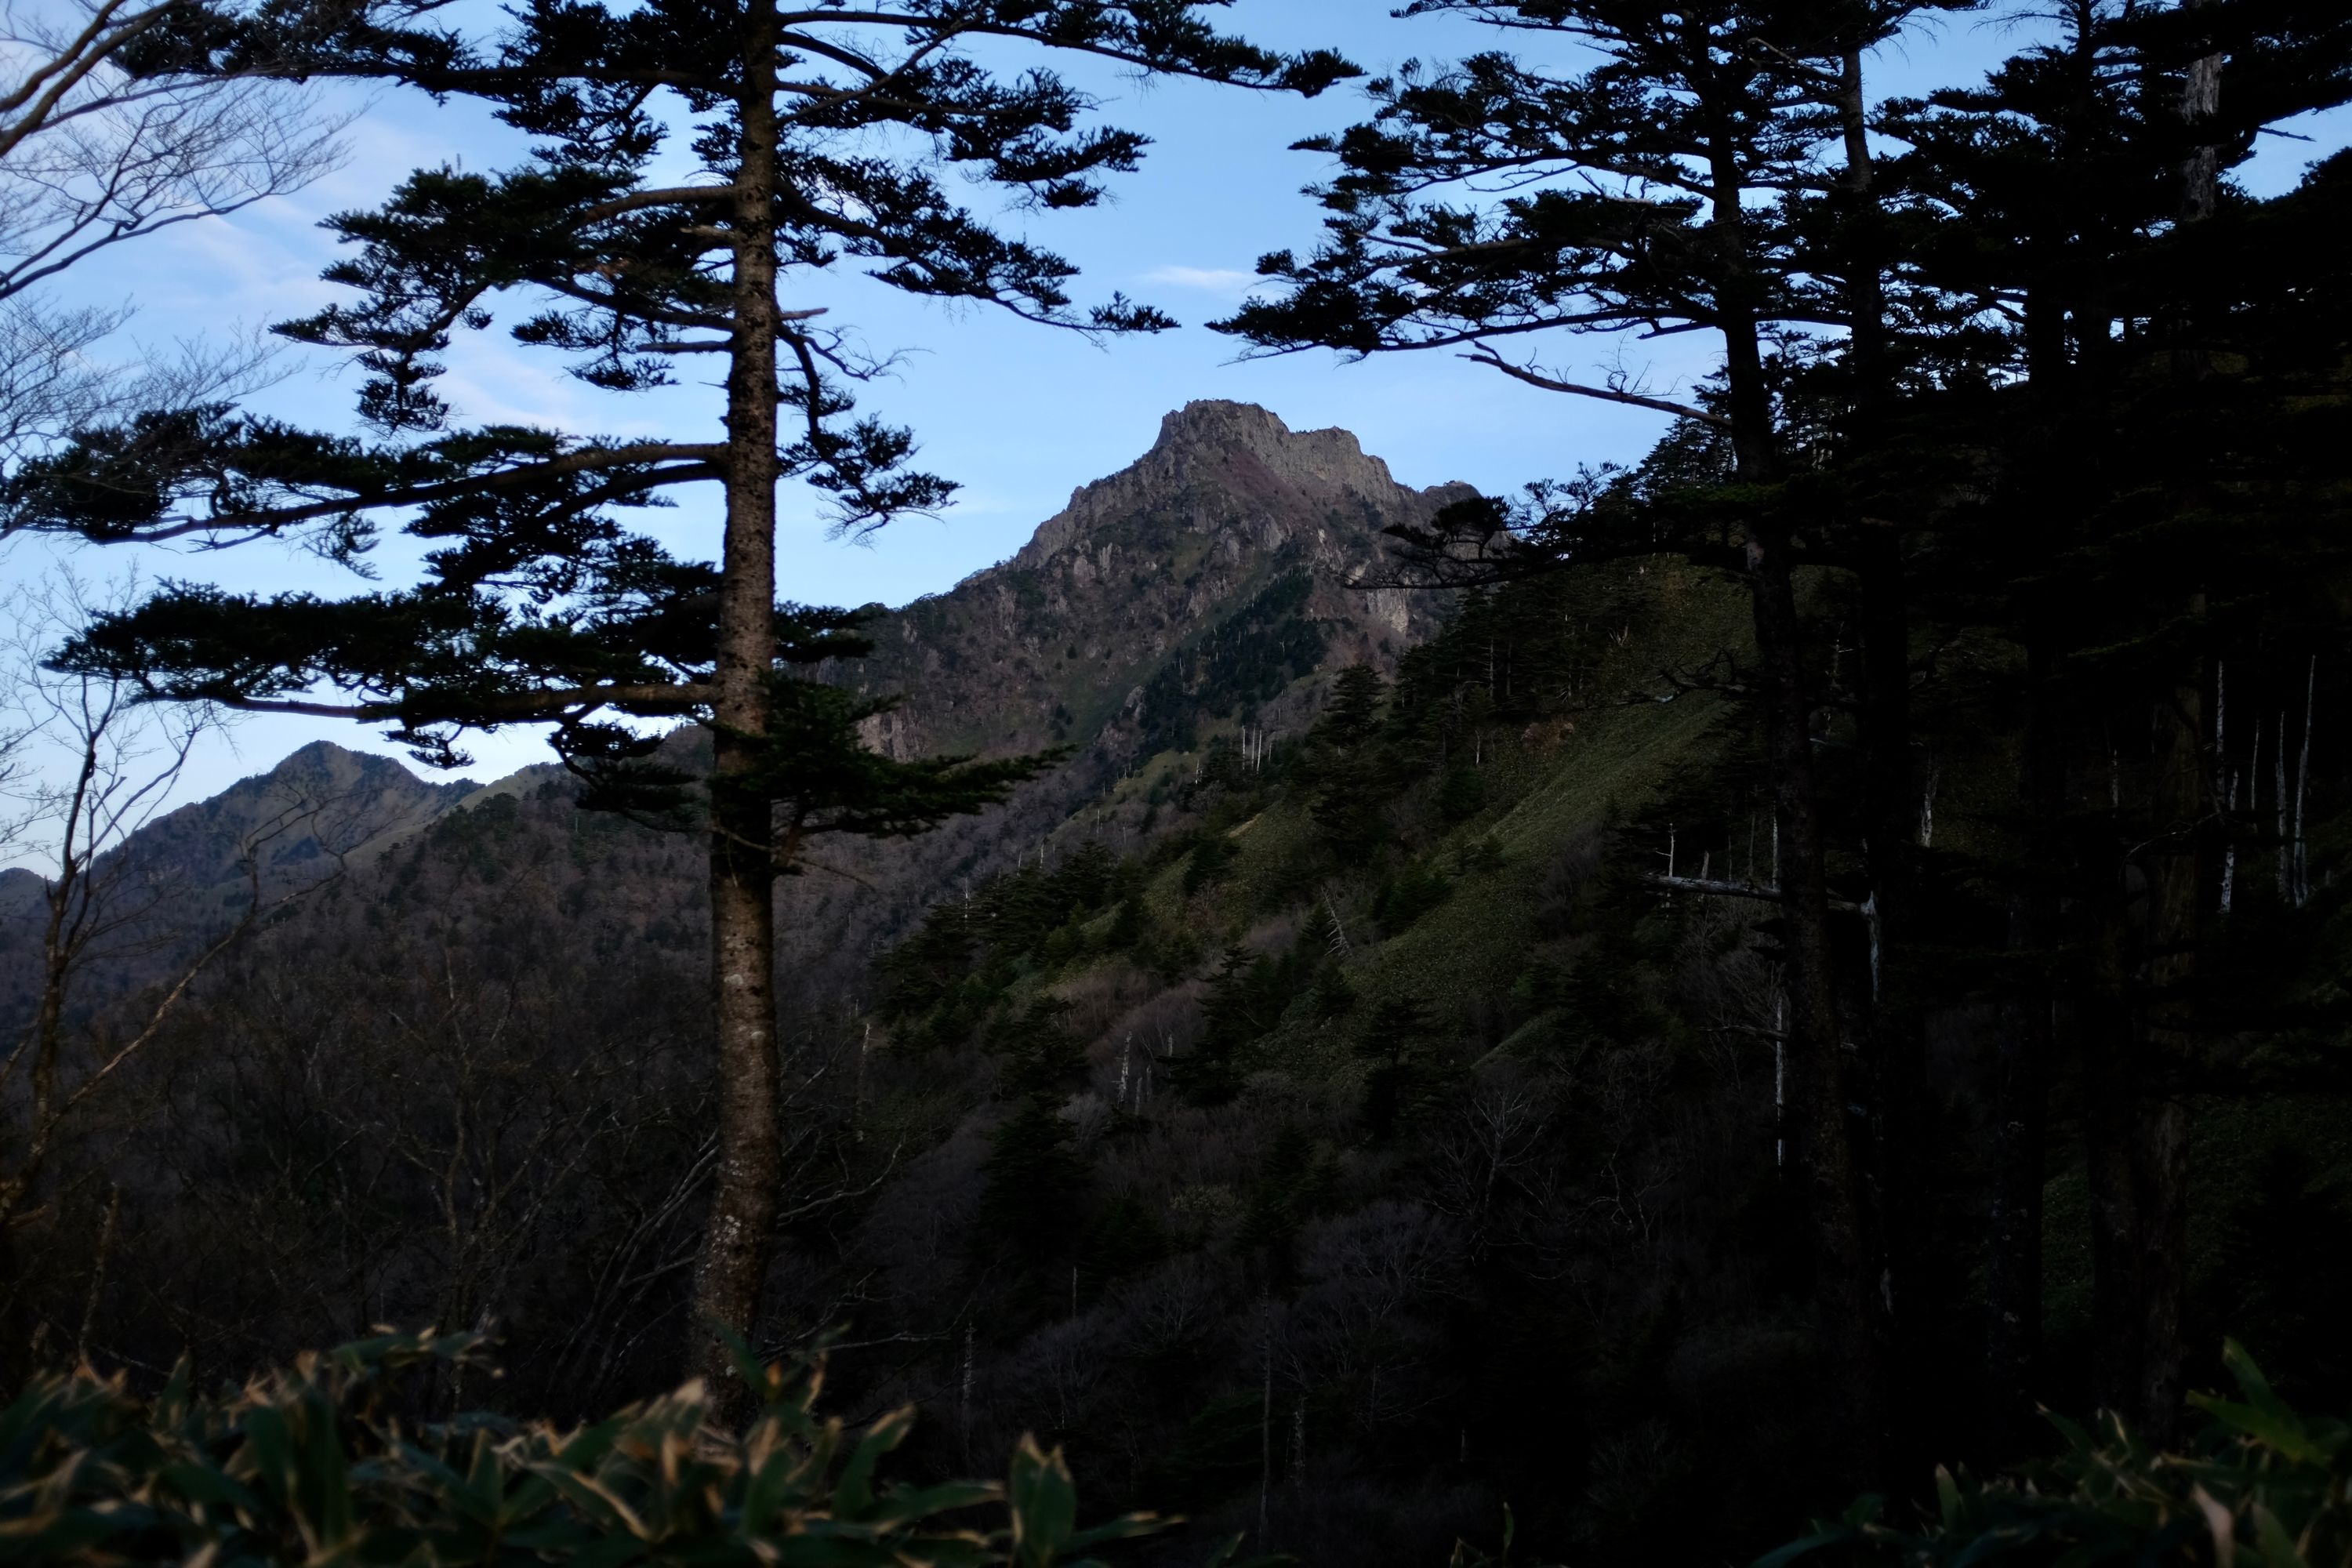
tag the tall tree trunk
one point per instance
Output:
(2025, 1044)
(2135, 1131)
(2138, 1139)
(2157, 1149)
(2160, 1167)
(1846, 1280)
(2110, 1103)
(1847, 1285)
(1890, 1020)
(738, 1239)
(1865, 285)
(1878, 1266)
(2027, 1040)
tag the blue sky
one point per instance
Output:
(1020, 415)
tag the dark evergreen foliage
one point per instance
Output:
(1252, 657)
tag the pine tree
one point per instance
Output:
(819, 139)
(1650, 193)
(1345, 765)
(2078, 187)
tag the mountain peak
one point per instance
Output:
(1220, 421)
(1246, 455)
(1184, 543)
(325, 765)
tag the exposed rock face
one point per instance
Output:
(1197, 588)
(1238, 448)
(1053, 647)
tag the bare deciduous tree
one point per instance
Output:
(113, 771)
(94, 154)
(87, 767)
(117, 769)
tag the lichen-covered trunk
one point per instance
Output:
(2158, 1131)
(738, 1239)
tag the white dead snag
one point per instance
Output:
(1779, 1077)
(2278, 812)
(1721, 888)
(2225, 778)
(1339, 931)
(2302, 867)
(963, 1393)
(1877, 928)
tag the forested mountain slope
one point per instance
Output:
(1687, 1035)
(428, 904)
(1344, 1093)
(271, 834)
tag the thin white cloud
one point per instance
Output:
(1221, 280)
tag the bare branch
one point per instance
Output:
(1489, 357)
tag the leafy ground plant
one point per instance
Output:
(2262, 1486)
(317, 1464)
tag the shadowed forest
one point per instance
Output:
(1781, 1002)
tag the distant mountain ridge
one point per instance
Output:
(320, 802)
(1205, 585)
(173, 883)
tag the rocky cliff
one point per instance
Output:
(1060, 643)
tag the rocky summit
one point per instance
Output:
(1141, 576)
